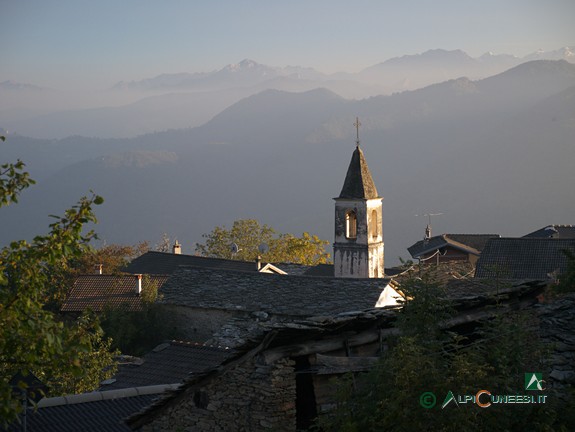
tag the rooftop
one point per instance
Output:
(87, 412)
(154, 262)
(469, 243)
(97, 292)
(246, 291)
(358, 182)
(523, 258)
(170, 362)
(554, 231)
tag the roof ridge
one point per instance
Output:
(186, 267)
(106, 395)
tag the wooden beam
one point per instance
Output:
(312, 347)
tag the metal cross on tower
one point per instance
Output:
(357, 124)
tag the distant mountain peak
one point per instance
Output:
(14, 85)
(245, 64)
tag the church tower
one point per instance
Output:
(358, 247)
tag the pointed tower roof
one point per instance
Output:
(358, 182)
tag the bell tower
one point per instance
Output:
(358, 246)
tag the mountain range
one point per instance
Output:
(184, 100)
(493, 155)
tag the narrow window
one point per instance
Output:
(350, 225)
(374, 227)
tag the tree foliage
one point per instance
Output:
(32, 338)
(112, 257)
(567, 279)
(424, 358)
(248, 235)
(137, 332)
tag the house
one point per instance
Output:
(282, 379)
(231, 304)
(524, 258)
(450, 247)
(100, 291)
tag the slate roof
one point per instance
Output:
(97, 292)
(358, 182)
(103, 415)
(168, 363)
(290, 339)
(153, 262)
(320, 270)
(285, 295)
(523, 258)
(554, 231)
(468, 243)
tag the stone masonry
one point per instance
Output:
(248, 397)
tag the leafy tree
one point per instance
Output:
(137, 332)
(567, 279)
(112, 257)
(248, 234)
(32, 339)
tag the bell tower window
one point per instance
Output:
(351, 225)
(374, 227)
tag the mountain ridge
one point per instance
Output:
(280, 157)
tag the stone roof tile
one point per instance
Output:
(97, 292)
(358, 181)
(523, 258)
(168, 363)
(153, 262)
(285, 295)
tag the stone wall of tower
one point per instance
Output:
(362, 256)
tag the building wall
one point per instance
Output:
(363, 256)
(248, 397)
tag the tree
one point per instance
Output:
(567, 279)
(137, 332)
(32, 338)
(112, 257)
(248, 235)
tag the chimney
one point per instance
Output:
(428, 232)
(177, 248)
(258, 263)
(139, 285)
(99, 268)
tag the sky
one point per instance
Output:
(89, 44)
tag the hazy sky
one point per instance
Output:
(95, 43)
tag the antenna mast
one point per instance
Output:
(428, 227)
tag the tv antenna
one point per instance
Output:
(428, 227)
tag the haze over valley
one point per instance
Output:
(493, 151)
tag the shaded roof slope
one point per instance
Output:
(554, 231)
(153, 262)
(469, 243)
(286, 295)
(523, 258)
(97, 416)
(168, 363)
(358, 182)
(97, 292)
